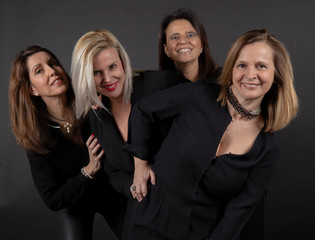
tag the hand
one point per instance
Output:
(95, 106)
(143, 173)
(95, 157)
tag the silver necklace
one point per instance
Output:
(67, 125)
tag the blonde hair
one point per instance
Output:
(89, 45)
(280, 104)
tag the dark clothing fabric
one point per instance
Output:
(60, 183)
(197, 195)
(118, 164)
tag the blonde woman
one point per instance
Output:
(106, 89)
(217, 159)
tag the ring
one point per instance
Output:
(133, 188)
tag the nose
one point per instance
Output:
(182, 40)
(251, 73)
(105, 77)
(51, 71)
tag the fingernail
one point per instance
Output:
(92, 135)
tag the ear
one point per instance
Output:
(34, 92)
(166, 50)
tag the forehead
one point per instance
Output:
(179, 26)
(37, 58)
(106, 55)
(257, 51)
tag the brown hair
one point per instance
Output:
(207, 66)
(28, 113)
(280, 104)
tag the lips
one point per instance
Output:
(250, 86)
(56, 81)
(110, 87)
(183, 50)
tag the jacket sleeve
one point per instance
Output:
(56, 191)
(149, 113)
(240, 208)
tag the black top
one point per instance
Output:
(57, 175)
(118, 163)
(187, 159)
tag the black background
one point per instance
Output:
(57, 25)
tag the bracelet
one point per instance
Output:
(85, 173)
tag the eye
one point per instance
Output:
(241, 65)
(261, 66)
(113, 66)
(190, 35)
(39, 71)
(97, 73)
(174, 38)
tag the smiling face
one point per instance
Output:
(109, 75)
(48, 79)
(253, 73)
(183, 45)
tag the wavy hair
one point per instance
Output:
(86, 48)
(280, 104)
(28, 113)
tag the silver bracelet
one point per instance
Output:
(85, 173)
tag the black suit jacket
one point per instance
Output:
(118, 163)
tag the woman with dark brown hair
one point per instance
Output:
(66, 173)
(183, 46)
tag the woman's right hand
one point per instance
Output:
(95, 157)
(143, 173)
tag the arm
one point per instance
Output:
(57, 175)
(146, 119)
(240, 208)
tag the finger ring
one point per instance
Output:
(133, 188)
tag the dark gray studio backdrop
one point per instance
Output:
(57, 25)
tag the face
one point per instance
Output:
(48, 79)
(109, 75)
(183, 44)
(253, 72)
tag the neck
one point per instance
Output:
(58, 109)
(189, 70)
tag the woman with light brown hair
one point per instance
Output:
(216, 162)
(66, 172)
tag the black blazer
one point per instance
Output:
(118, 164)
(187, 156)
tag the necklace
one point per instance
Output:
(67, 124)
(240, 109)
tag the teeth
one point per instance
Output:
(55, 81)
(184, 50)
(250, 85)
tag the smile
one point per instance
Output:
(247, 85)
(110, 87)
(57, 81)
(183, 50)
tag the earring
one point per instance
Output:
(201, 50)
(36, 94)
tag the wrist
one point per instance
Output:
(86, 174)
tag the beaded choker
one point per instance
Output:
(240, 109)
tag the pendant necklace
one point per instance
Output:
(67, 124)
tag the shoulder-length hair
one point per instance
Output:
(87, 47)
(280, 104)
(207, 66)
(28, 113)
